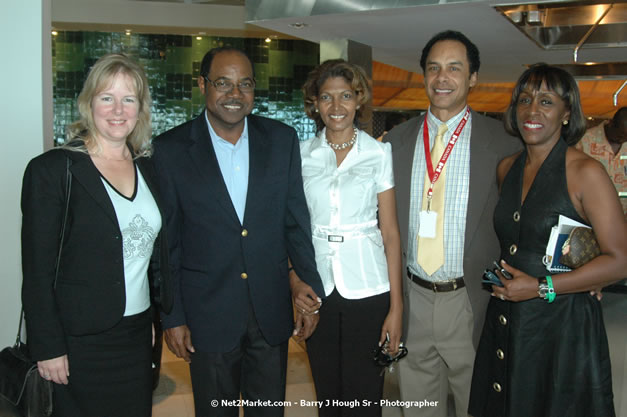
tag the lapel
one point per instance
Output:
(144, 166)
(258, 157)
(204, 158)
(482, 175)
(403, 153)
(85, 172)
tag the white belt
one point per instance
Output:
(341, 233)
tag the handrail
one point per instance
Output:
(618, 92)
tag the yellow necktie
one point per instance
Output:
(431, 250)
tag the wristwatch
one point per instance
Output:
(545, 291)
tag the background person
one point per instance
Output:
(540, 354)
(235, 211)
(606, 143)
(444, 301)
(90, 331)
(391, 120)
(349, 187)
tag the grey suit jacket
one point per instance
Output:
(489, 143)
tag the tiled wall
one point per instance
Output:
(172, 64)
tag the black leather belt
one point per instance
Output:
(440, 286)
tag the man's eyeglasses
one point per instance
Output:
(225, 86)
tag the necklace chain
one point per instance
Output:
(343, 145)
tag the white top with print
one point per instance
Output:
(140, 222)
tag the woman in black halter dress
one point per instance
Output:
(545, 357)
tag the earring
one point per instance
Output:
(316, 110)
(565, 122)
(358, 107)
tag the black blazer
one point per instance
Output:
(220, 267)
(90, 294)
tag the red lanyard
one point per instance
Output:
(434, 175)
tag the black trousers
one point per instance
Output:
(341, 351)
(254, 368)
(110, 372)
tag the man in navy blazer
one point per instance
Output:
(235, 211)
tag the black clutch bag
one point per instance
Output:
(580, 248)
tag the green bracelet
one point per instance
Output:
(550, 296)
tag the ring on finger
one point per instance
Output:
(502, 297)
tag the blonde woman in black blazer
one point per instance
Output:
(89, 327)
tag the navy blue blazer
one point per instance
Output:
(90, 295)
(220, 267)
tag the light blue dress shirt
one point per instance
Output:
(456, 199)
(233, 161)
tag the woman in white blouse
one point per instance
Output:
(349, 186)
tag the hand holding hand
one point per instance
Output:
(306, 301)
(304, 325)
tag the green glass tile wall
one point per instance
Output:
(172, 64)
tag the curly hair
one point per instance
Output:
(81, 134)
(558, 81)
(353, 74)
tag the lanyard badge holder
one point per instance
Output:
(428, 218)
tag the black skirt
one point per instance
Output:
(543, 360)
(110, 372)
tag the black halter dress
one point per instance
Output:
(537, 359)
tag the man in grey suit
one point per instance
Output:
(444, 300)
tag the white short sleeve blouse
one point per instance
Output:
(343, 204)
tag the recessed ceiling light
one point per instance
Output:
(198, 38)
(54, 33)
(268, 40)
(128, 32)
(298, 25)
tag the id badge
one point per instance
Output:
(428, 220)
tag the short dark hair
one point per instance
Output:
(205, 65)
(472, 52)
(558, 81)
(619, 117)
(353, 74)
(393, 119)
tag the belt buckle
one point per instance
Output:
(434, 286)
(455, 285)
(335, 238)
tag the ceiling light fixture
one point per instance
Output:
(298, 25)
(54, 33)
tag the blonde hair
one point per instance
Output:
(81, 134)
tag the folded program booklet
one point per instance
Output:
(559, 234)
